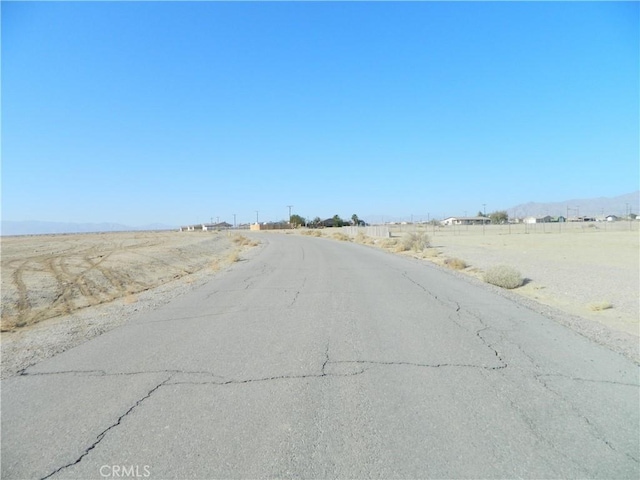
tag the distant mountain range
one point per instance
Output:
(592, 207)
(40, 228)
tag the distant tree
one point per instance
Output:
(355, 220)
(337, 221)
(499, 217)
(296, 220)
(480, 214)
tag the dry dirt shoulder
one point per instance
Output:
(61, 290)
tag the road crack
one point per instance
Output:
(102, 434)
(595, 431)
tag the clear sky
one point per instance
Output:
(176, 113)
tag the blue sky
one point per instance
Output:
(140, 112)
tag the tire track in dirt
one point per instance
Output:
(22, 305)
(45, 277)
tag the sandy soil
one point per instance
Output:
(572, 271)
(60, 290)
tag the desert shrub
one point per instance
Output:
(456, 263)
(431, 253)
(234, 257)
(503, 276)
(388, 242)
(240, 240)
(362, 238)
(400, 247)
(312, 233)
(599, 306)
(341, 236)
(417, 241)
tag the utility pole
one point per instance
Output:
(289, 212)
(484, 216)
(234, 220)
(257, 217)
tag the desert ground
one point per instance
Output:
(59, 290)
(584, 275)
(590, 270)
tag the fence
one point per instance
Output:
(518, 228)
(381, 231)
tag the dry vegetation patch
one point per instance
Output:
(364, 239)
(415, 241)
(455, 263)
(341, 236)
(503, 276)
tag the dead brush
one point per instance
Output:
(234, 257)
(503, 276)
(341, 236)
(240, 240)
(415, 241)
(312, 233)
(388, 243)
(364, 239)
(456, 263)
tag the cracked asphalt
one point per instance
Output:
(323, 359)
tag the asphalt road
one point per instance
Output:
(323, 359)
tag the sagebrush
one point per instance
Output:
(504, 276)
(456, 263)
(416, 241)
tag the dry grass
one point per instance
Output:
(416, 241)
(456, 263)
(234, 257)
(312, 233)
(364, 239)
(503, 276)
(599, 306)
(243, 241)
(341, 236)
(431, 253)
(240, 240)
(387, 243)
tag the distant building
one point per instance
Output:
(216, 226)
(466, 221)
(203, 227)
(545, 219)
